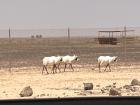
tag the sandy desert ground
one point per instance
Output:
(66, 84)
(26, 56)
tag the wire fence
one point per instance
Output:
(19, 52)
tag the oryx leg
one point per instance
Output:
(99, 67)
(53, 68)
(106, 66)
(58, 66)
(71, 66)
(45, 67)
(109, 68)
(65, 67)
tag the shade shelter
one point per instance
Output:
(109, 38)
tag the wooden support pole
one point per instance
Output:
(9, 35)
(109, 38)
(112, 34)
(125, 42)
(68, 35)
(9, 50)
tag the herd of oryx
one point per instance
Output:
(55, 61)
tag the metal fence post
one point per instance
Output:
(9, 50)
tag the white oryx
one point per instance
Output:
(106, 60)
(53, 60)
(68, 60)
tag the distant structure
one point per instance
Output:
(37, 36)
(110, 39)
(32, 36)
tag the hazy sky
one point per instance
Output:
(34, 14)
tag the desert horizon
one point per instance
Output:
(63, 32)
